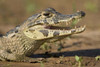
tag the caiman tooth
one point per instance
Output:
(73, 30)
(82, 28)
(66, 24)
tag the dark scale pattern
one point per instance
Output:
(56, 33)
(44, 32)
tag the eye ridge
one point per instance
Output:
(47, 14)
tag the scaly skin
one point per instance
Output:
(26, 38)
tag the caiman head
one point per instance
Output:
(50, 23)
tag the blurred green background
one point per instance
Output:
(14, 12)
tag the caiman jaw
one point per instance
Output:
(49, 29)
(68, 30)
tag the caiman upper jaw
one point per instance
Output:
(67, 21)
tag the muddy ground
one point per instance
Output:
(85, 45)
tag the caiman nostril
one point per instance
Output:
(82, 13)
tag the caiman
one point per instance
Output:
(22, 41)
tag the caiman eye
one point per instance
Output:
(47, 14)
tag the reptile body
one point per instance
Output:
(25, 39)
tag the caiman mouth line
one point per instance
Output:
(57, 28)
(67, 27)
(74, 29)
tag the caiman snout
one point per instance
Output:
(78, 14)
(82, 13)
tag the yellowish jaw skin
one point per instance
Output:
(43, 34)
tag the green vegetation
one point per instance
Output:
(91, 6)
(42, 64)
(74, 6)
(45, 46)
(79, 60)
(97, 58)
(74, 23)
(74, 10)
(30, 6)
(6, 65)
